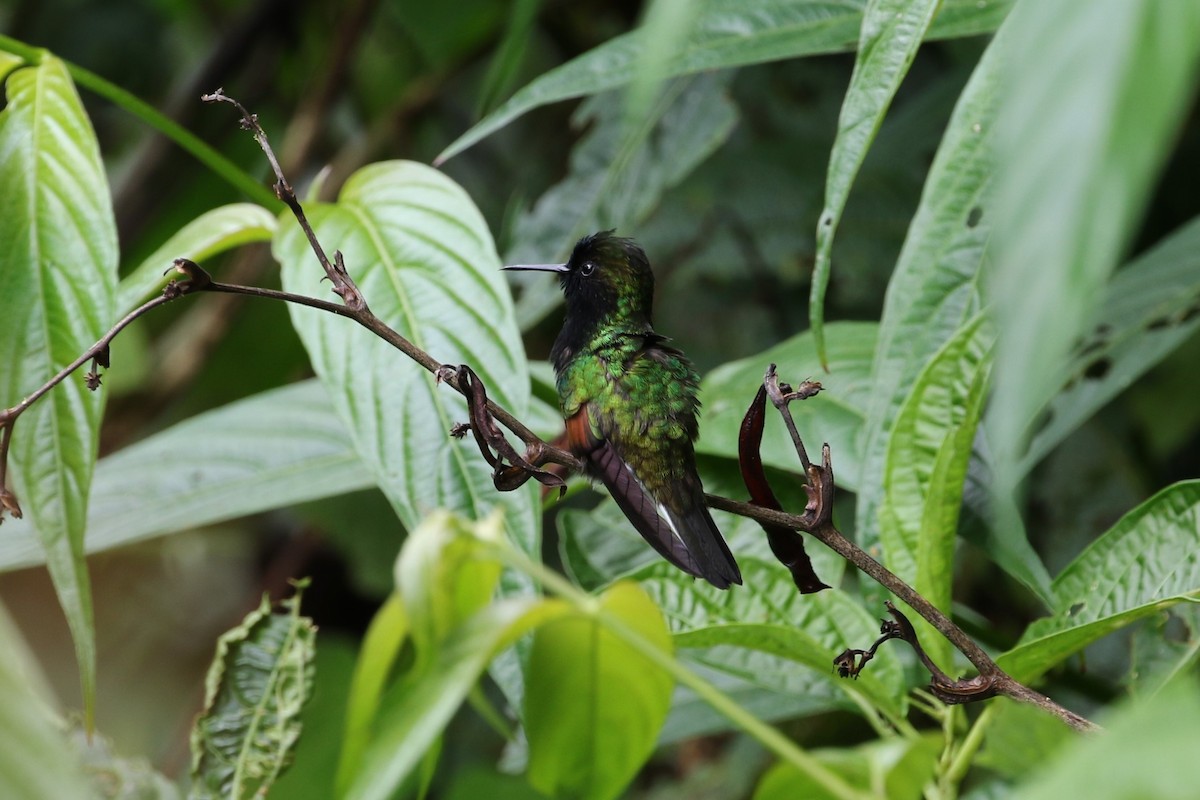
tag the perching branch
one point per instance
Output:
(817, 520)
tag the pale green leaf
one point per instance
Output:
(1148, 750)
(1097, 93)
(890, 34)
(768, 615)
(258, 683)
(934, 289)
(594, 705)
(207, 235)
(423, 258)
(1148, 561)
(834, 416)
(36, 760)
(727, 33)
(57, 292)
(275, 449)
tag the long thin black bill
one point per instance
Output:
(537, 267)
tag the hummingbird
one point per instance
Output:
(629, 402)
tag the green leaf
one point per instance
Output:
(1097, 94)
(1020, 738)
(257, 685)
(594, 705)
(891, 32)
(207, 235)
(422, 257)
(56, 299)
(275, 449)
(1147, 750)
(897, 769)
(1148, 561)
(1148, 311)
(768, 615)
(387, 632)
(834, 416)
(618, 173)
(36, 760)
(420, 706)
(934, 289)
(727, 33)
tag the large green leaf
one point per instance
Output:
(424, 260)
(1148, 750)
(1148, 561)
(1149, 310)
(210, 233)
(934, 289)
(36, 760)
(279, 448)
(57, 292)
(897, 769)
(618, 172)
(769, 616)
(594, 706)
(834, 416)
(1097, 93)
(257, 685)
(727, 33)
(891, 32)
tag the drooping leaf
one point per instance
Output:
(618, 172)
(210, 233)
(275, 449)
(36, 760)
(1148, 561)
(423, 258)
(594, 706)
(934, 289)
(727, 33)
(256, 688)
(57, 293)
(1090, 110)
(891, 32)
(834, 416)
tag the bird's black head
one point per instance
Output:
(607, 281)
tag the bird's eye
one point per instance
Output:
(587, 268)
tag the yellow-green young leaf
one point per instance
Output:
(1148, 561)
(891, 32)
(256, 688)
(207, 235)
(57, 289)
(593, 704)
(417, 709)
(424, 259)
(36, 760)
(443, 576)
(381, 645)
(896, 769)
(928, 454)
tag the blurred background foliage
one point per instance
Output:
(729, 226)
